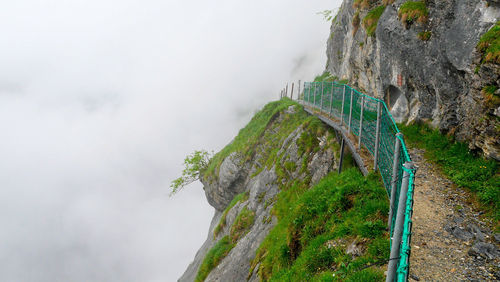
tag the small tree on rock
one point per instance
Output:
(194, 165)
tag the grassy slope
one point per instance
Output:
(480, 176)
(251, 135)
(316, 225)
(249, 139)
(353, 206)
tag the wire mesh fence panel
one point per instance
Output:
(358, 112)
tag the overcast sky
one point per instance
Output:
(100, 101)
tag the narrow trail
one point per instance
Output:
(449, 239)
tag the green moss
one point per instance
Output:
(241, 224)
(371, 19)
(489, 44)
(222, 223)
(213, 257)
(340, 207)
(412, 11)
(466, 169)
(424, 35)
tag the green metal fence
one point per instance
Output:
(370, 121)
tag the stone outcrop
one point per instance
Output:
(436, 79)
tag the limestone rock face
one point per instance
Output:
(235, 177)
(438, 80)
(231, 182)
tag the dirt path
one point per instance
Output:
(449, 242)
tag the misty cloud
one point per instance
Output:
(99, 103)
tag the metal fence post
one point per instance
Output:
(306, 96)
(377, 135)
(291, 94)
(398, 227)
(298, 94)
(309, 92)
(361, 121)
(350, 114)
(341, 154)
(286, 91)
(342, 110)
(314, 100)
(331, 101)
(395, 175)
(322, 91)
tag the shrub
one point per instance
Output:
(194, 165)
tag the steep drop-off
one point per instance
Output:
(281, 212)
(427, 60)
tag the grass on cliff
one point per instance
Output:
(370, 21)
(490, 98)
(424, 35)
(480, 176)
(241, 224)
(361, 4)
(316, 226)
(263, 138)
(412, 11)
(213, 257)
(250, 136)
(489, 45)
(219, 251)
(326, 76)
(222, 223)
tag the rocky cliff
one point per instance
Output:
(286, 145)
(282, 210)
(427, 60)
